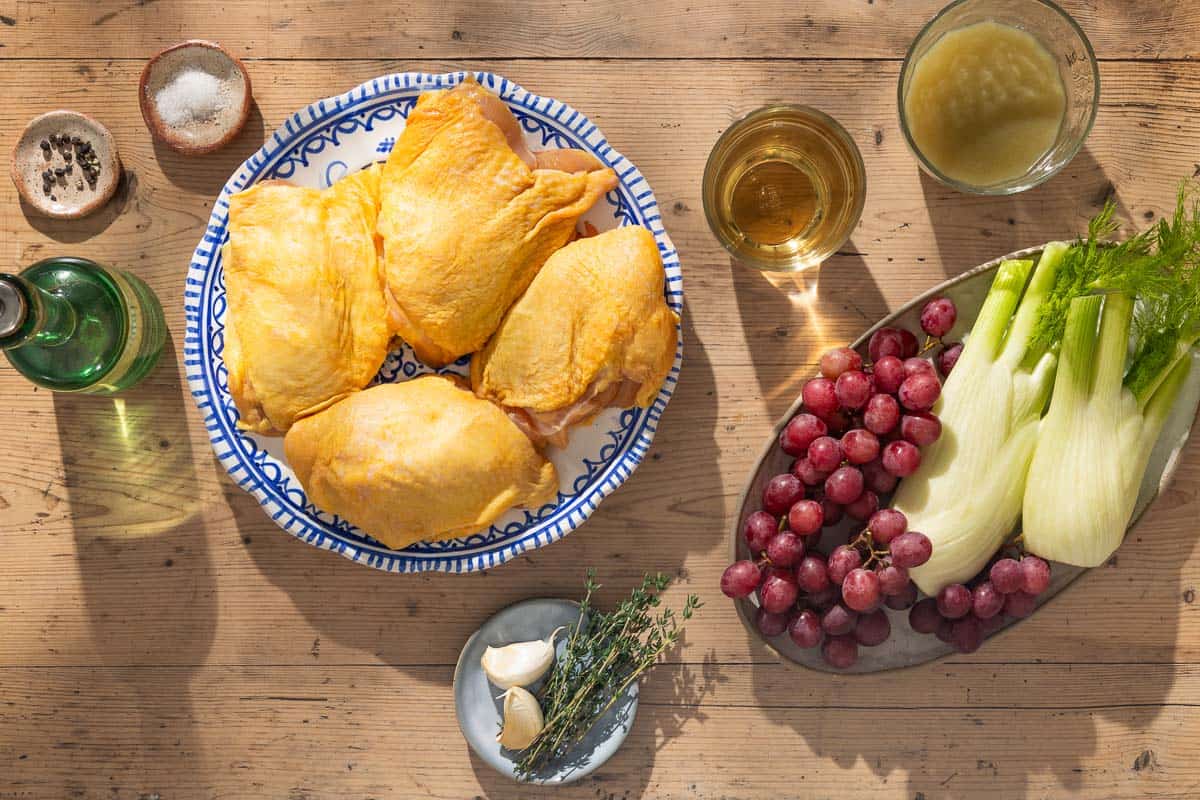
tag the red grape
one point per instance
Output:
(901, 600)
(844, 485)
(781, 493)
(918, 366)
(838, 620)
(873, 629)
(820, 397)
(740, 579)
(947, 357)
(812, 575)
(769, 623)
(938, 316)
(840, 652)
(778, 594)
(945, 631)
(921, 428)
(886, 524)
(836, 422)
(892, 579)
(1036, 575)
(805, 629)
(842, 560)
(889, 374)
(833, 511)
(805, 517)
(825, 454)
(785, 549)
(852, 389)
(910, 549)
(759, 529)
(1006, 575)
(800, 432)
(966, 635)
(860, 589)
(823, 599)
(882, 414)
(991, 624)
(901, 458)
(878, 479)
(924, 616)
(1019, 604)
(986, 601)
(954, 601)
(908, 344)
(803, 469)
(885, 342)
(860, 446)
(839, 360)
(919, 392)
(862, 508)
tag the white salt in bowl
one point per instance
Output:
(195, 96)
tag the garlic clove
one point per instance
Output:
(520, 663)
(523, 719)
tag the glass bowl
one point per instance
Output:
(1062, 37)
(820, 205)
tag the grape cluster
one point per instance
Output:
(859, 432)
(962, 615)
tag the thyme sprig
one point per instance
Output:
(604, 655)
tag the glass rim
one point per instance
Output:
(733, 130)
(998, 189)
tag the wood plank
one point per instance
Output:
(381, 733)
(160, 635)
(118, 492)
(462, 29)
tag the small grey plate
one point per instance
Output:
(480, 713)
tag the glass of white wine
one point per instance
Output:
(783, 188)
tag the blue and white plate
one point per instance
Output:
(315, 147)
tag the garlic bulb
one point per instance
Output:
(523, 719)
(520, 663)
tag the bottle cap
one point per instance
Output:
(13, 308)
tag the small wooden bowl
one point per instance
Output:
(66, 200)
(199, 137)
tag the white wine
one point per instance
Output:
(783, 188)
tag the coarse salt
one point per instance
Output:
(191, 96)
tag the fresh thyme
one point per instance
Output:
(604, 656)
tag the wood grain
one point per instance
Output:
(466, 29)
(158, 634)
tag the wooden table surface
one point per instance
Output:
(160, 638)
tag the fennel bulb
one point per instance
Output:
(1095, 440)
(1104, 420)
(967, 494)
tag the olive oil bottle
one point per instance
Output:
(72, 325)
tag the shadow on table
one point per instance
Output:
(789, 319)
(972, 229)
(148, 582)
(206, 174)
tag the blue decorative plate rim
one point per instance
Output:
(306, 133)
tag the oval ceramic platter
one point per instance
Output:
(905, 647)
(315, 147)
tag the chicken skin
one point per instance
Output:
(592, 331)
(469, 215)
(419, 460)
(308, 319)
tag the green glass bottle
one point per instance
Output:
(72, 325)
